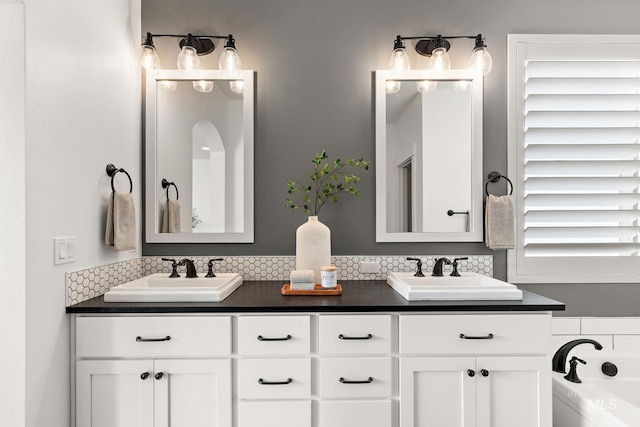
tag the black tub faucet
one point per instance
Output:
(573, 370)
(191, 268)
(559, 362)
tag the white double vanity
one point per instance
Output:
(365, 358)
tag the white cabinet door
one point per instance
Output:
(192, 393)
(114, 393)
(437, 392)
(516, 391)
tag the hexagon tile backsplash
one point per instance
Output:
(92, 282)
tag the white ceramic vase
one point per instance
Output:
(313, 246)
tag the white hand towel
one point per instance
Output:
(171, 217)
(499, 223)
(121, 222)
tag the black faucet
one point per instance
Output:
(573, 371)
(174, 267)
(191, 268)
(559, 362)
(455, 273)
(210, 273)
(437, 269)
(419, 272)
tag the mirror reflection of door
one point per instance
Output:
(208, 215)
(406, 195)
(429, 157)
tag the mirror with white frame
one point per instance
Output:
(199, 135)
(429, 156)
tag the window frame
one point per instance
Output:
(520, 269)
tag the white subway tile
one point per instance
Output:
(626, 342)
(613, 325)
(565, 326)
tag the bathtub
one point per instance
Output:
(600, 400)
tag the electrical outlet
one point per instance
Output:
(369, 267)
(64, 250)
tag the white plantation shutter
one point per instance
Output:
(574, 153)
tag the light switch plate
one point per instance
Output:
(369, 267)
(64, 250)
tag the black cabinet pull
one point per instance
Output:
(484, 372)
(470, 337)
(263, 382)
(140, 339)
(159, 375)
(471, 372)
(367, 381)
(261, 338)
(144, 375)
(366, 337)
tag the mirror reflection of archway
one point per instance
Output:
(209, 158)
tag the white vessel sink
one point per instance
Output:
(160, 288)
(469, 286)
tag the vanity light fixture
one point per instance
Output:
(191, 47)
(437, 47)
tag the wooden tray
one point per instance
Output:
(319, 290)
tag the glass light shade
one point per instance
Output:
(149, 60)
(392, 86)
(481, 60)
(237, 86)
(188, 60)
(169, 85)
(229, 62)
(399, 63)
(440, 60)
(426, 86)
(203, 85)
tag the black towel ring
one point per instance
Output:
(112, 171)
(495, 177)
(166, 184)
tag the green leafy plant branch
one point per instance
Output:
(329, 179)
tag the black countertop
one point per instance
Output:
(357, 296)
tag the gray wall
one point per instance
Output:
(314, 62)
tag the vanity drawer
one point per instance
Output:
(376, 413)
(355, 334)
(274, 414)
(274, 378)
(475, 334)
(274, 335)
(153, 336)
(368, 377)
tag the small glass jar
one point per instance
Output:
(329, 276)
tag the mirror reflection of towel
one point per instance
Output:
(121, 222)
(499, 223)
(171, 217)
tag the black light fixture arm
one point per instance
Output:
(439, 36)
(202, 43)
(427, 44)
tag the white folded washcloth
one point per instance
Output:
(171, 217)
(121, 222)
(302, 280)
(499, 223)
(302, 286)
(297, 276)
